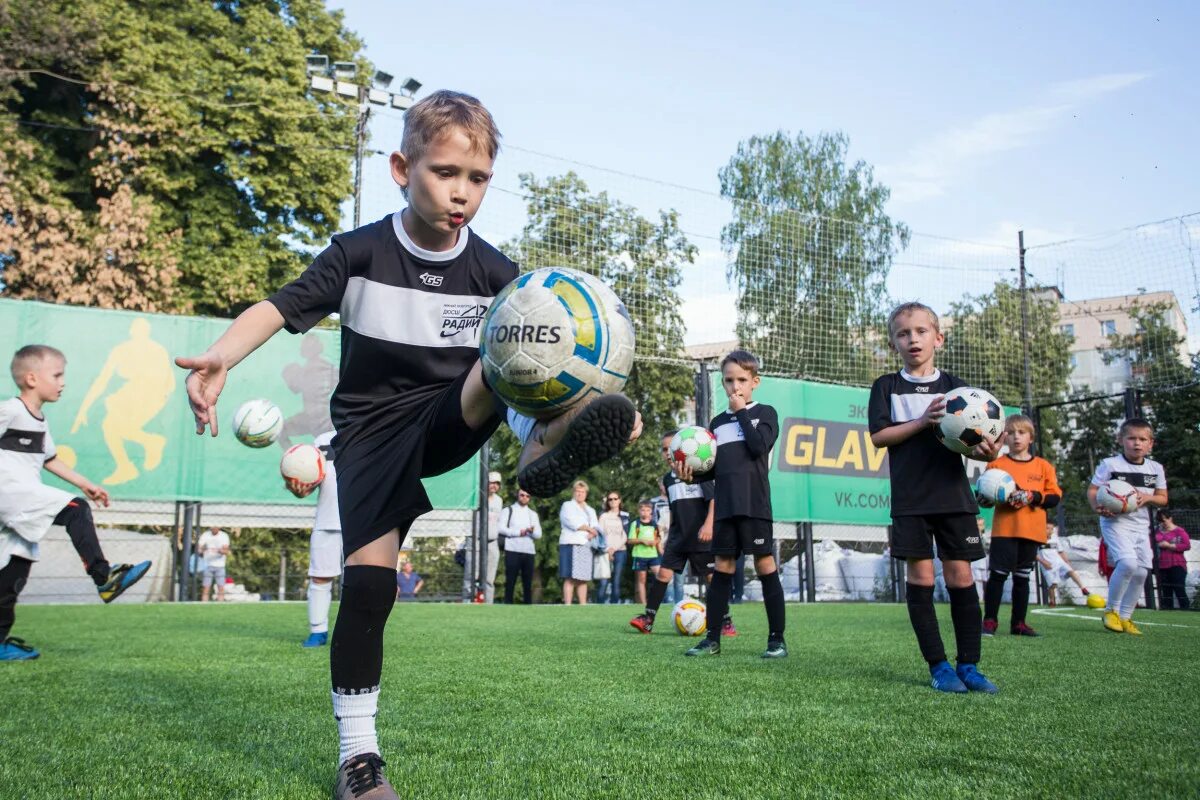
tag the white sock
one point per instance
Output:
(1137, 583)
(1118, 582)
(355, 715)
(521, 425)
(320, 595)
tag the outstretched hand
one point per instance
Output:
(204, 384)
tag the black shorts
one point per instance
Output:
(1009, 553)
(739, 536)
(689, 550)
(380, 464)
(957, 537)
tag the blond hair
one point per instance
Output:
(579, 485)
(1015, 421)
(30, 357)
(910, 308)
(434, 116)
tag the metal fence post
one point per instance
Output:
(810, 568)
(283, 573)
(185, 576)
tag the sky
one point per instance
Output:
(1063, 119)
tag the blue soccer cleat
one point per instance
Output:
(975, 680)
(13, 649)
(944, 679)
(316, 640)
(120, 578)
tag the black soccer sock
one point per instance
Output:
(1020, 596)
(925, 624)
(77, 518)
(718, 603)
(968, 622)
(658, 590)
(12, 581)
(356, 648)
(772, 590)
(993, 593)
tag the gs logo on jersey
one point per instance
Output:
(429, 279)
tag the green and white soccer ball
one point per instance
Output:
(257, 423)
(695, 446)
(553, 337)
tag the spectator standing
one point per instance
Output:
(495, 505)
(613, 523)
(647, 555)
(408, 583)
(214, 549)
(578, 526)
(520, 527)
(1173, 542)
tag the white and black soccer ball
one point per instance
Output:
(553, 337)
(972, 415)
(257, 423)
(995, 486)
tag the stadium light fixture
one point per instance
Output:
(321, 83)
(347, 89)
(378, 96)
(345, 70)
(382, 79)
(316, 64)
(402, 102)
(410, 86)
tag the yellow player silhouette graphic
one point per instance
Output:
(149, 380)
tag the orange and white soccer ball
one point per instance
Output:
(690, 617)
(1117, 496)
(303, 463)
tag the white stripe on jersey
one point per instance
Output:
(728, 433)
(907, 407)
(411, 316)
(684, 491)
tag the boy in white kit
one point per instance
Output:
(1127, 536)
(324, 546)
(1055, 566)
(29, 507)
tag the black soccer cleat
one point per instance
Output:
(706, 648)
(561, 448)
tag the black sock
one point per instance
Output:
(728, 620)
(993, 593)
(1020, 598)
(76, 517)
(12, 581)
(772, 591)
(925, 624)
(968, 622)
(658, 589)
(356, 648)
(718, 603)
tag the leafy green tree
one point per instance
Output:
(1090, 437)
(812, 247)
(638, 258)
(174, 160)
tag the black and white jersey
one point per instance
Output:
(744, 442)
(689, 505)
(410, 317)
(926, 476)
(1146, 477)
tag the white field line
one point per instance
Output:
(1054, 612)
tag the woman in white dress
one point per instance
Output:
(579, 526)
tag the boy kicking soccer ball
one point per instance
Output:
(743, 524)
(1127, 536)
(1019, 526)
(411, 401)
(29, 507)
(931, 497)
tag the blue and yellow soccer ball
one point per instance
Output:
(553, 337)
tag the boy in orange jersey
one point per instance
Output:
(1019, 526)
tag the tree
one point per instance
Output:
(168, 155)
(811, 247)
(641, 260)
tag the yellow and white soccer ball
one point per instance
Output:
(1095, 601)
(553, 337)
(257, 423)
(303, 463)
(690, 617)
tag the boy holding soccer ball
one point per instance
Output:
(743, 521)
(324, 543)
(1019, 526)
(411, 401)
(931, 497)
(1127, 536)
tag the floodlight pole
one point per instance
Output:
(360, 146)
(1025, 326)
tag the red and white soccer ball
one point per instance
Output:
(696, 447)
(303, 463)
(1117, 496)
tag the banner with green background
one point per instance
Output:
(824, 467)
(124, 422)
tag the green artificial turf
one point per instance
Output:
(189, 701)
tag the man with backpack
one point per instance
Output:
(519, 527)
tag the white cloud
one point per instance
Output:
(934, 164)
